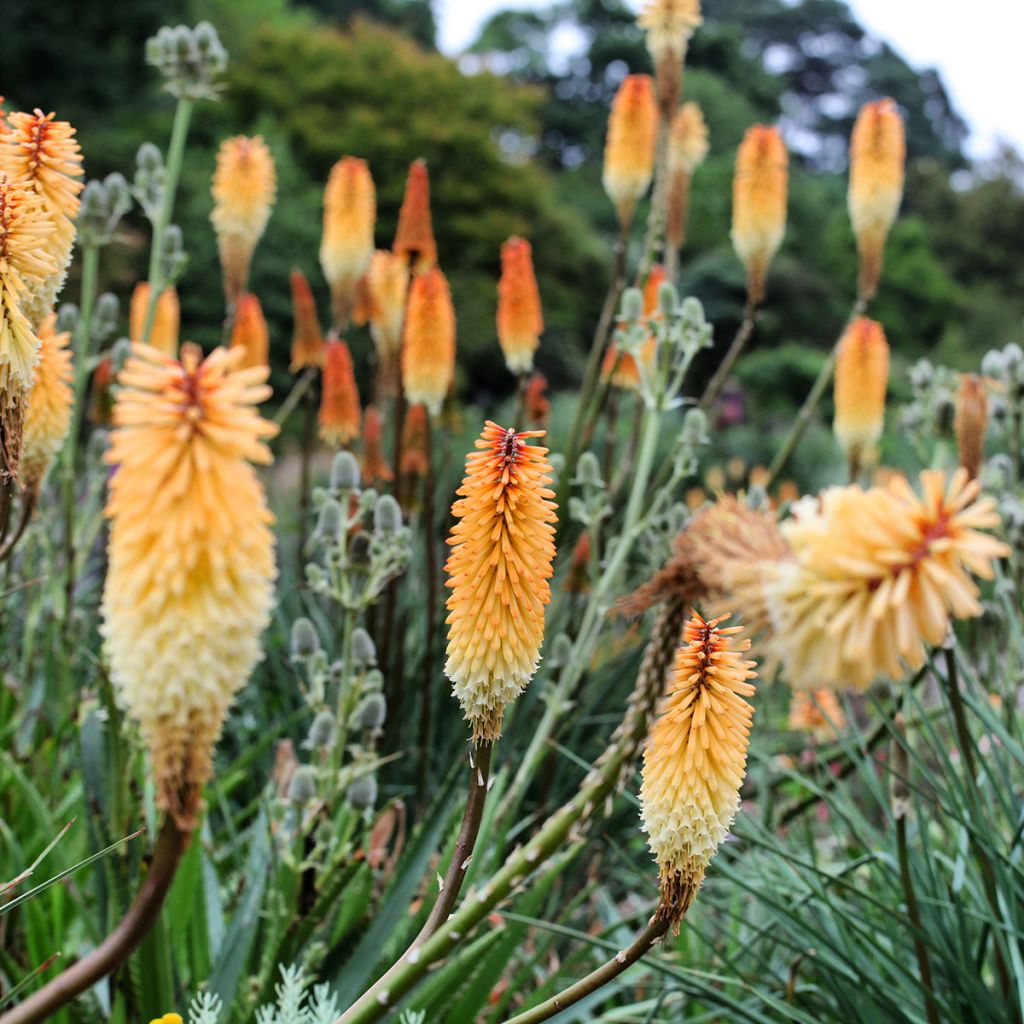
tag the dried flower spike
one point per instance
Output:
(428, 354)
(244, 186)
(862, 375)
(669, 24)
(971, 422)
(308, 339)
(414, 239)
(350, 212)
(759, 204)
(630, 147)
(339, 400)
(877, 158)
(536, 406)
(520, 322)
(249, 332)
(503, 545)
(48, 415)
(414, 442)
(695, 759)
(687, 148)
(163, 332)
(191, 555)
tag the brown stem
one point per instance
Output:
(28, 504)
(119, 944)
(739, 341)
(601, 976)
(299, 388)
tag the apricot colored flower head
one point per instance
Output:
(817, 712)
(375, 466)
(862, 375)
(387, 282)
(414, 441)
(971, 422)
(414, 238)
(244, 187)
(308, 339)
(339, 400)
(669, 24)
(503, 544)
(630, 146)
(687, 148)
(41, 155)
(48, 414)
(622, 369)
(520, 322)
(696, 758)
(878, 155)
(249, 332)
(877, 575)
(190, 584)
(759, 191)
(428, 354)
(163, 332)
(350, 212)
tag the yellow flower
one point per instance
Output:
(502, 545)
(877, 575)
(189, 588)
(817, 712)
(630, 146)
(862, 374)
(759, 192)
(669, 24)
(687, 148)
(695, 759)
(163, 332)
(350, 212)
(428, 353)
(877, 158)
(520, 321)
(244, 186)
(387, 282)
(41, 155)
(167, 1018)
(48, 414)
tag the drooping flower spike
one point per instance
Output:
(48, 414)
(339, 400)
(190, 584)
(163, 332)
(696, 759)
(428, 352)
(244, 187)
(308, 339)
(630, 146)
(503, 545)
(350, 213)
(520, 321)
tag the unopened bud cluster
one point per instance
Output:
(191, 60)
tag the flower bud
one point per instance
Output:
(328, 524)
(344, 472)
(304, 638)
(362, 794)
(321, 732)
(632, 305)
(588, 471)
(695, 427)
(364, 652)
(370, 713)
(387, 516)
(302, 787)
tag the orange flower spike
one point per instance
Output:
(387, 282)
(191, 555)
(696, 758)
(350, 212)
(817, 712)
(971, 422)
(759, 192)
(862, 375)
(244, 187)
(520, 321)
(414, 239)
(687, 148)
(101, 398)
(48, 415)
(249, 332)
(428, 354)
(878, 154)
(308, 339)
(503, 544)
(339, 401)
(535, 401)
(630, 146)
(163, 334)
(375, 466)
(669, 24)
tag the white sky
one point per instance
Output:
(976, 46)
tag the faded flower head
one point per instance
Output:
(971, 422)
(687, 148)
(669, 24)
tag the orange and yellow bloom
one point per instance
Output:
(339, 400)
(375, 466)
(630, 146)
(503, 545)
(428, 352)
(163, 332)
(816, 712)
(249, 332)
(414, 238)
(48, 414)
(862, 375)
(387, 282)
(520, 321)
(307, 339)
(668, 25)
(350, 213)
(190, 584)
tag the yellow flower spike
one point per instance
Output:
(339, 399)
(387, 282)
(48, 414)
(519, 320)
(687, 148)
(862, 375)
(163, 333)
(876, 577)
(503, 544)
(695, 759)
(168, 1018)
(971, 422)
(350, 213)
(190, 582)
(249, 332)
(759, 192)
(41, 155)
(877, 159)
(428, 353)
(669, 24)
(244, 188)
(630, 146)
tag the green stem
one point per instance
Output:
(721, 375)
(172, 172)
